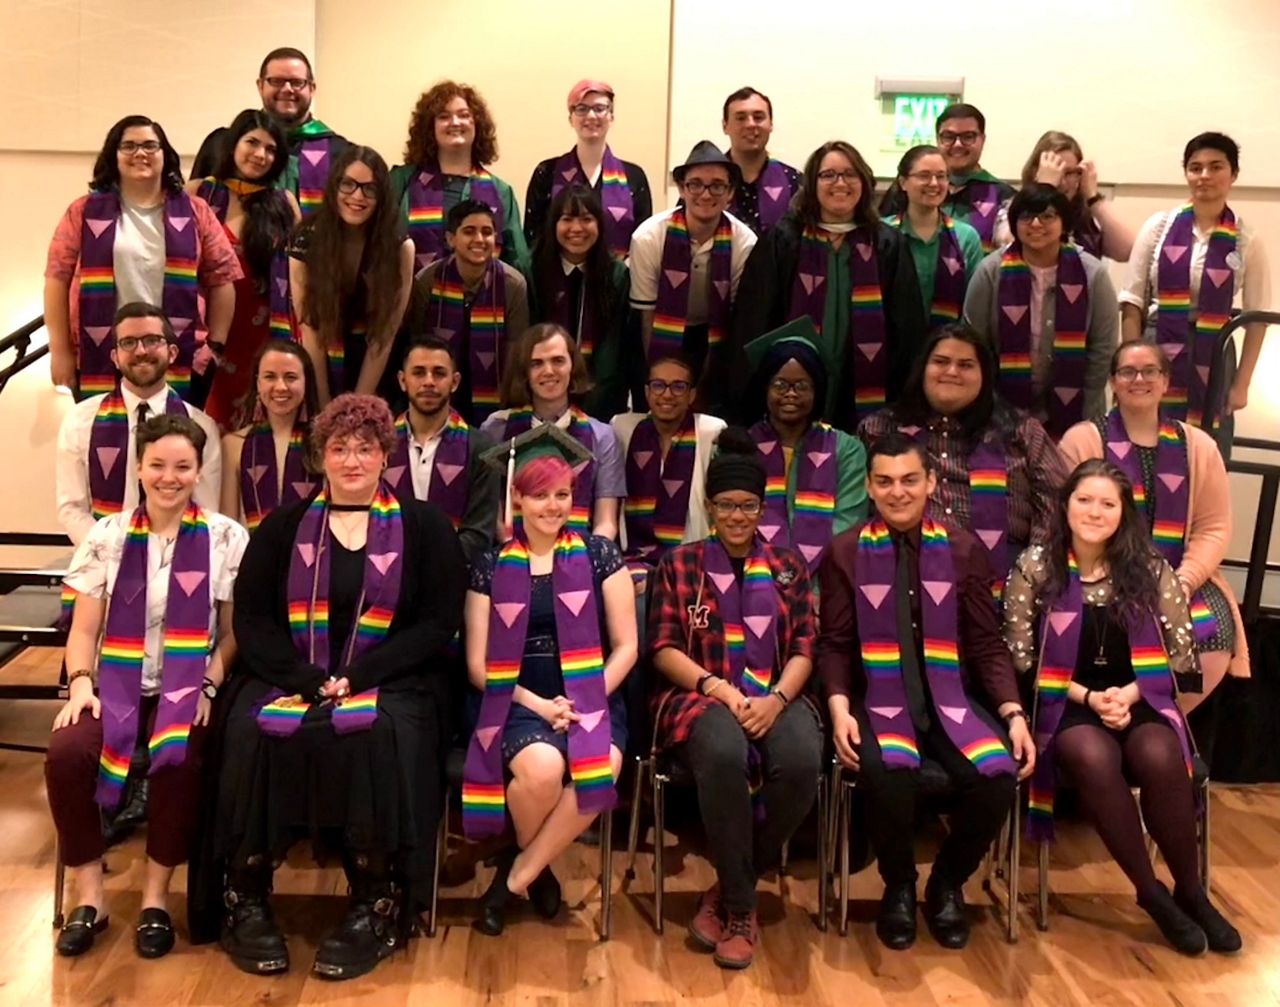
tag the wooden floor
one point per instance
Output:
(1100, 949)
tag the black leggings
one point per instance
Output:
(1103, 764)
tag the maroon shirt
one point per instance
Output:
(984, 659)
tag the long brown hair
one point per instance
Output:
(805, 202)
(329, 286)
(247, 411)
(422, 148)
(515, 382)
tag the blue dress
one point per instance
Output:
(540, 667)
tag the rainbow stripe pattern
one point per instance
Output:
(114, 414)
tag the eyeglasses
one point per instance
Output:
(659, 387)
(830, 176)
(1072, 172)
(348, 186)
(1127, 374)
(1044, 216)
(723, 508)
(925, 177)
(295, 83)
(950, 139)
(582, 111)
(364, 453)
(130, 343)
(133, 146)
(696, 188)
(781, 386)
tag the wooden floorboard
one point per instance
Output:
(1100, 949)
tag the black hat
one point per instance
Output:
(706, 152)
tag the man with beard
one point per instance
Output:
(437, 454)
(287, 87)
(96, 469)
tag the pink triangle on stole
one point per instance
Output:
(315, 156)
(672, 486)
(307, 551)
(990, 537)
(179, 224)
(722, 581)
(809, 552)
(956, 713)
(448, 473)
(590, 721)
(1066, 394)
(1061, 621)
(485, 736)
(302, 488)
(984, 207)
(1072, 290)
(1014, 312)
(675, 276)
(870, 350)
(96, 227)
(772, 191)
(1218, 276)
(642, 458)
(617, 212)
(189, 580)
(382, 561)
(1171, 350)
(1174, 252)
(393, 474)
(937, 589)
(1172, 481)
(952, 264)
(810, 282)
(722, 288)
(758, 624)
(864, 250)
(485, 358)
(766, 447)
(888, 712)
(107, 459)
(1121, 448)
(574, 600)
(819, 458)
(98, 333)
(509, 611)
(176, 696)
(875, 593)
(769, 531)
(256, 472)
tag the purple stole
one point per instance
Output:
(1065, 406)
(1172, 503)
(950, 280)
(453, 456)
(875, 567)
(109, 446)
(773, 194)
(260, 482)
(1059, 649)
(587, 328)
(615, 196)
(1190, 347)
(671, 312)
(584, 485)
(984, 202)
(484, 325)
(180, 299)
(425, 210)
(749, 613)
(657, 505)
(582, 666)
(313, 160)
(308, 593)
(808, 526)
(184, 661)
(868, 358)
(218, 196)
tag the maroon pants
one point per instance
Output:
(71, 777)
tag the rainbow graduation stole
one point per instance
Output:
(658, 488)
(1065, 406)
(308, 598)
(309, 164)
(183, 662)
(868, 350)
(452, 458)
(424, 209)
(262, 488)
(109, 447)
(950, 280)
(875, 568)
(808, 522)
(615, 196)
(476, 331)
(981, 200)
(180, 298)
(217, 193)
(1059, 648)
(584, 480)
(1167, 513)
(749, 613)
(773, 195)
(676, 276)
(336, 356)
(1190, 347)
(581, 665)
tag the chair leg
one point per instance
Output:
(1015, 861)
(844, 857)
(784, 858)
(1204, 836)
(606, 872)
(442, 846)
(836, 797)
(659, 831)
(824, 812)
(59, 885)
(633, 829)
(1042, 896)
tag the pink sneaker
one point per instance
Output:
(707, 926)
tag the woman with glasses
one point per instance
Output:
(817, 484)
(945, 251)
(832, 260)
(137, 236)
(621, 187)
(351, 271)
(346, 606)
(1050, 311)
(452, 141)
(1165, 297)
(1057, 160)
(731, 628)
(1181, 489)
(258, 219)
(579, 285)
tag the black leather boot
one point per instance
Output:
(497, 897)
(250, 936)
(368, 932)
(945, 912)
(1221, 935)
(1179, 929)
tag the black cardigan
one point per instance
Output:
(764, 301)
(427, 614)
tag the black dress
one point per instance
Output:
(369, 791)
(1100, 633)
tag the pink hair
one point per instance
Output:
(585, 87)
(541, 475)
(349, 415)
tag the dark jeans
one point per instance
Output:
(716, 755)
(979, 806)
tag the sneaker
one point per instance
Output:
(707, 927)
(737, 946)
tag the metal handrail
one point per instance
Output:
(1216, 393)
(19, 340)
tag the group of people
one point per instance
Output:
(368, 468)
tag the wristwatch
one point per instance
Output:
(208, 689)
(1097, 197)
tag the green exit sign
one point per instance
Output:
(913, 117)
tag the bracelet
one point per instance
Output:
(1085, 701)
(780, 694)
(1097, 197)
(79, 673)
(1019, 712)
(714, 686)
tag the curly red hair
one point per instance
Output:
(422, 148)
(350, 415)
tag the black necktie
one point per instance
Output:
(144, 411)
(912, 679)
(573, 295)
